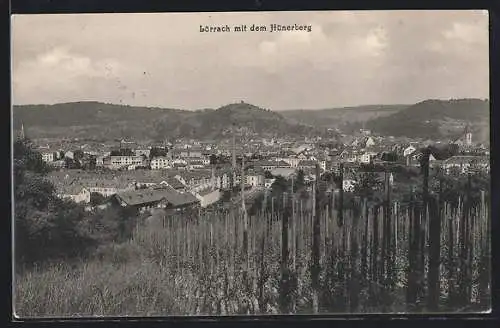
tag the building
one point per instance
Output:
(59, 164)
(307, 164)
(465, 164)
(117, 162)
(349, 156)
(207, 197)
(108, 187)
(254, 179)
(142, 152)
(174, 184)
(159, 163)
(191, 152)
(291, 161)
(365, 158)
(198, 180)
(161, 197)
(48, 156)
(466, 139)
(223, 180)
(74, 192)
(270, 165)
(368, 142)
(284, 172)
(409, 150)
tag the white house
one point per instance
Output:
(48, 157)
(69, 154)
(365, 158)
(255, 179)
(159, 163)
(464, 163)
(76, 193)
(125, 161)
(322, 165)
(207, 197)
(292, 161)
(369, 142)
(409, 150)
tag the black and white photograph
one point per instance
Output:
(250, 163)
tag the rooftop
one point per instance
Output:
(145, 196)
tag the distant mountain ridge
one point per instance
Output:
(101, 121)
(436, 119)
(426, 119)
(336, 117)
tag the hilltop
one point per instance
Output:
(436, 119)
(427, 119)
(110, 121)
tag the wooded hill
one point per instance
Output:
(341, 117)
(436, 119)
(427, 119)
(108, 121)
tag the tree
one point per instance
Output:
(369, 186)
(390, 157)
(268, 175)
(78, 155)
(72, 163)
(96, 199)
(213, 159)
(157, 152)
(299, 183)
(44, 225)
(27, 159)
(88, 162)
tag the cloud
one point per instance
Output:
(60, 72)
(348, 58)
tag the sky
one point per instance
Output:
(163, 60)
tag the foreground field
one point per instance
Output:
(201, 266)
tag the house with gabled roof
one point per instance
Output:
(174, 184)
(160, 197)
(465, 164)
(307, 164)
(207, 196)
(74, 191)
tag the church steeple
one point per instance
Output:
(22, 135)
(468, 135)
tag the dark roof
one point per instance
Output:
(146, 196)
(197, 174)
(205, 192)
(174, 183)
(467, 159)
(265, 163)
(307, 163)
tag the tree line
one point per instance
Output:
(47, 227)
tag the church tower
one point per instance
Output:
(468, 135)
(22, 135)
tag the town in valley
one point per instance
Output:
(183, 172)
(338, 163)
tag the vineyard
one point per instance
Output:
(418, 244)
(325, 252)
